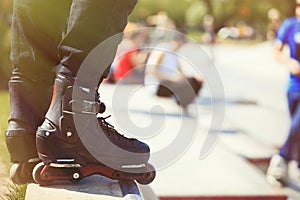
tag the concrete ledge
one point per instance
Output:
(93, 187)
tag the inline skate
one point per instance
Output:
(64, 150)
(29, 102)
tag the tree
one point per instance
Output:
(175, 8)
(185, 13)
(230, 12)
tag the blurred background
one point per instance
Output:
(256, 122)
(232, 19)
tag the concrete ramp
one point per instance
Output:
(90, 188)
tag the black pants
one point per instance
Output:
(46, 33)
(290, 150)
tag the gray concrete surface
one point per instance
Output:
(94, 187)
(254, 126)
(221, 173)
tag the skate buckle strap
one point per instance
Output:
(87, 107)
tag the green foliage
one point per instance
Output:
(15, 192)
(195, 14)
(186, 14)
(175, 9)
(189, 13)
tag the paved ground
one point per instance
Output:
(259, 79)
(255, 125)
(91, 188)
(221, 173)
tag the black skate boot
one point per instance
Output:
(65, 149)
(28, 105)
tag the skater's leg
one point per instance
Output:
(90, 23)
(278, 168)
(289, 148)
(33, 56)
(28, 104)
(295, 125)
(37, 29)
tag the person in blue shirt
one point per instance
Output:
(289, 34)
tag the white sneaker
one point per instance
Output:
(277, 170)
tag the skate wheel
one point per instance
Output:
(148, 176)
(38, 177)
(76, 177)
(19, 175)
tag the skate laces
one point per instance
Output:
(110, 129)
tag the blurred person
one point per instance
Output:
(41, 126)
(162, 23)
(209, 28)
(209, 33)
(288, 33)
(164, 75)
(130, 58)
(274, 23)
